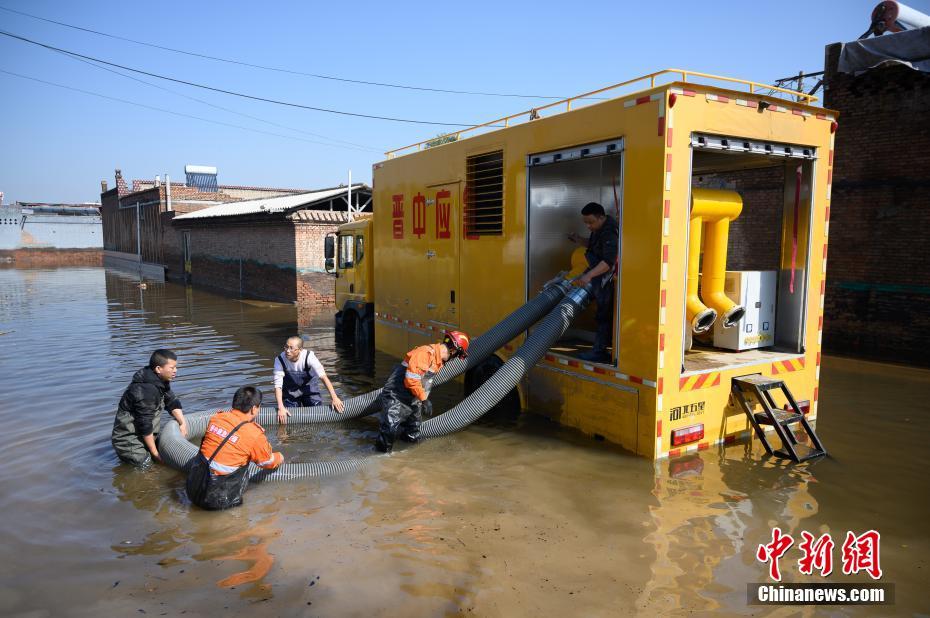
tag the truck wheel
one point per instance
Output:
(345, 327)
(364, 334)
(476, 376)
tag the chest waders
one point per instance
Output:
(301, 386)
(126, 440)
(401, 412)
(215, 492)
(604, 298)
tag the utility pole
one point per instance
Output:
(351, 212)
(139, 236)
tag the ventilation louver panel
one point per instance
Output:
(484, 195)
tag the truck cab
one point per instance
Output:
(349, 254)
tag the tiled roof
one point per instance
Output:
(321, 216)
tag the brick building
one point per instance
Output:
(878, 277)
(270, 248)
(136, 220)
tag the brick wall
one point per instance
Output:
(314, 285)
(159, 244)
(878, 273)
(52, 257)
(254, 260)
(755, 236)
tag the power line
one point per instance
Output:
(279, 69)
(220, 107)
(173, 113)
(231, 92)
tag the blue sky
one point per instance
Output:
(56, 145)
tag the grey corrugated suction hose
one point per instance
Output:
(178, 452)
(489, 394)
(481, 348)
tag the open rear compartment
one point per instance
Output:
(559, 184)
(751, 213)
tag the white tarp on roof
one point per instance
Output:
(282, 203)
(910, 48)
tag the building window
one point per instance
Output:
(484, 195)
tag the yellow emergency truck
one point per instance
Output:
(721, 188)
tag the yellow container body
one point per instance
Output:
(430, 276)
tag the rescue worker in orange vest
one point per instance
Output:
(233, 439)
(405, 396)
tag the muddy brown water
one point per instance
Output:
(508, 518)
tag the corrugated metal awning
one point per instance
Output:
(271, 205)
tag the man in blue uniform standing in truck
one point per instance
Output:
(603, 250)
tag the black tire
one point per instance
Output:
(345, 327)
(364, 335)
(509, 406)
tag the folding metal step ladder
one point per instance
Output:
(745, 388)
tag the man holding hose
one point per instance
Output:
(405, 397)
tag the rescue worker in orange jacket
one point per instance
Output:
(233, 439)
(405, 396)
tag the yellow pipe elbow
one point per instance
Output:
(714, 204)
(717, 208)
(700, 316)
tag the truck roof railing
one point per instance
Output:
(532, 114)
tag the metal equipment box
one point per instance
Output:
(754, 290)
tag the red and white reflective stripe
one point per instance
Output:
(683, 92)
(747, 103)
(664, 262)
(662, 297)
(777, 108)
(668, 171)
(568, 362)
(662, 120)
(661, 351)
(648, 98)
(719, 98)
(666, 216)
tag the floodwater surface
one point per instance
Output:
(507, 518)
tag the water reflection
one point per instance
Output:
(511, 517)
(714, 507)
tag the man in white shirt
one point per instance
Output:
(297, 377)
